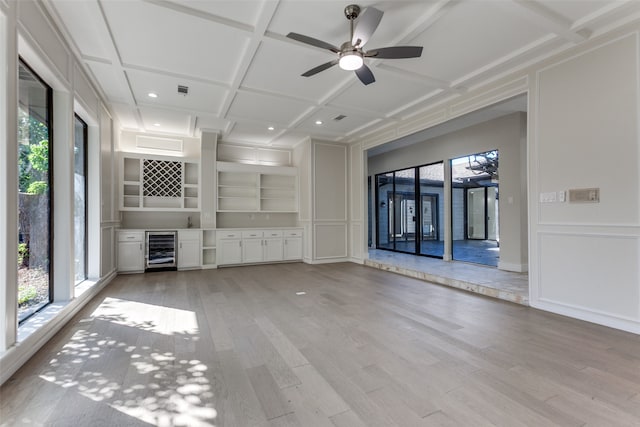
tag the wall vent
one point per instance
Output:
(183, 90)
(340, 117)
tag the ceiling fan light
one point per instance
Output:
(351, 61)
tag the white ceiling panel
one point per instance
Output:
(573, 10)
(112, 80)
(87, 27)
(388, 93)
(277, 67)
(126, 115)
(471, 35)
(270, 110)
(207, 98)
(243, 11)
(169, 121)
(157, 38)
(250, 133)
(242, 71)
(211, 122)
(333, 127)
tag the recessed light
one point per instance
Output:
(156, 124)
(301, 293)
(271, 128)
(152, 95)
(318, 122)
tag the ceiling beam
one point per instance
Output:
(554, 22)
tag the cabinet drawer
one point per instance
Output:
(250, 234)
(188, 235)
(229, 234)
(273, 233)
(130, 236)
(292, 233)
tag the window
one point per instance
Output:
(80, 199)
(34, 193)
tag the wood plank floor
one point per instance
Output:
(361, 347)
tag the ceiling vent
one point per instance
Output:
(340, 117)
(183, 90)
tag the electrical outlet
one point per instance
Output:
(562, 196)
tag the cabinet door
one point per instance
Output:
(229, 251)
(130, 256)
(293, 248)
(189, 254)
(273, 249)
(252, 250)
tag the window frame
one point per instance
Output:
(85, 171)
(50, 177)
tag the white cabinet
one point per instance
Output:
(229, 247)
(250, 246)
(292, 245)
(159, 183)
(188, 249)
(130, 251)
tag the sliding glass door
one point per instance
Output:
(408, 210)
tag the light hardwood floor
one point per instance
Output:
(361, 347)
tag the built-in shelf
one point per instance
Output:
(209, 248)
(257, 188)
(159, 183)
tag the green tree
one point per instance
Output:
(33, 154)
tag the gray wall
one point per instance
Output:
(504, 134)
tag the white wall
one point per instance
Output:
(503, 134)
(583, 131)
(584, 123)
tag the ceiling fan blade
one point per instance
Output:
(365, 75)
(313, 42)
(396, 52)
(366, 25)
(319, 68)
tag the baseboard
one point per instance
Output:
(625, 324)
(327, 260)
(517, 268)
(21, 352)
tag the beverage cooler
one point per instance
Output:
(161, 250)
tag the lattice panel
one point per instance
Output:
(162, 178)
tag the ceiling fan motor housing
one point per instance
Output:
(352, 11)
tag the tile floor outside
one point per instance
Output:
(476, 278)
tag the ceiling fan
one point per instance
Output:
(350, 54)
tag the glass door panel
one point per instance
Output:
(474, 208)
(384, 211)
(405, 214)
(431, 236)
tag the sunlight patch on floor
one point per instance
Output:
(152, 318)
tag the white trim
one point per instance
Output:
(593, 316)
(21, 352)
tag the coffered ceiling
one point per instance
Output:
(243, 74)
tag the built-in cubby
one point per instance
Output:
(209, 248)
(159, 183)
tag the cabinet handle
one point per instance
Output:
(285, 242)
(180, 245)
(140, 246)
(240, 243)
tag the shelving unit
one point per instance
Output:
(159, 183)
(209, 248)
(257, 188)
(278, 193)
